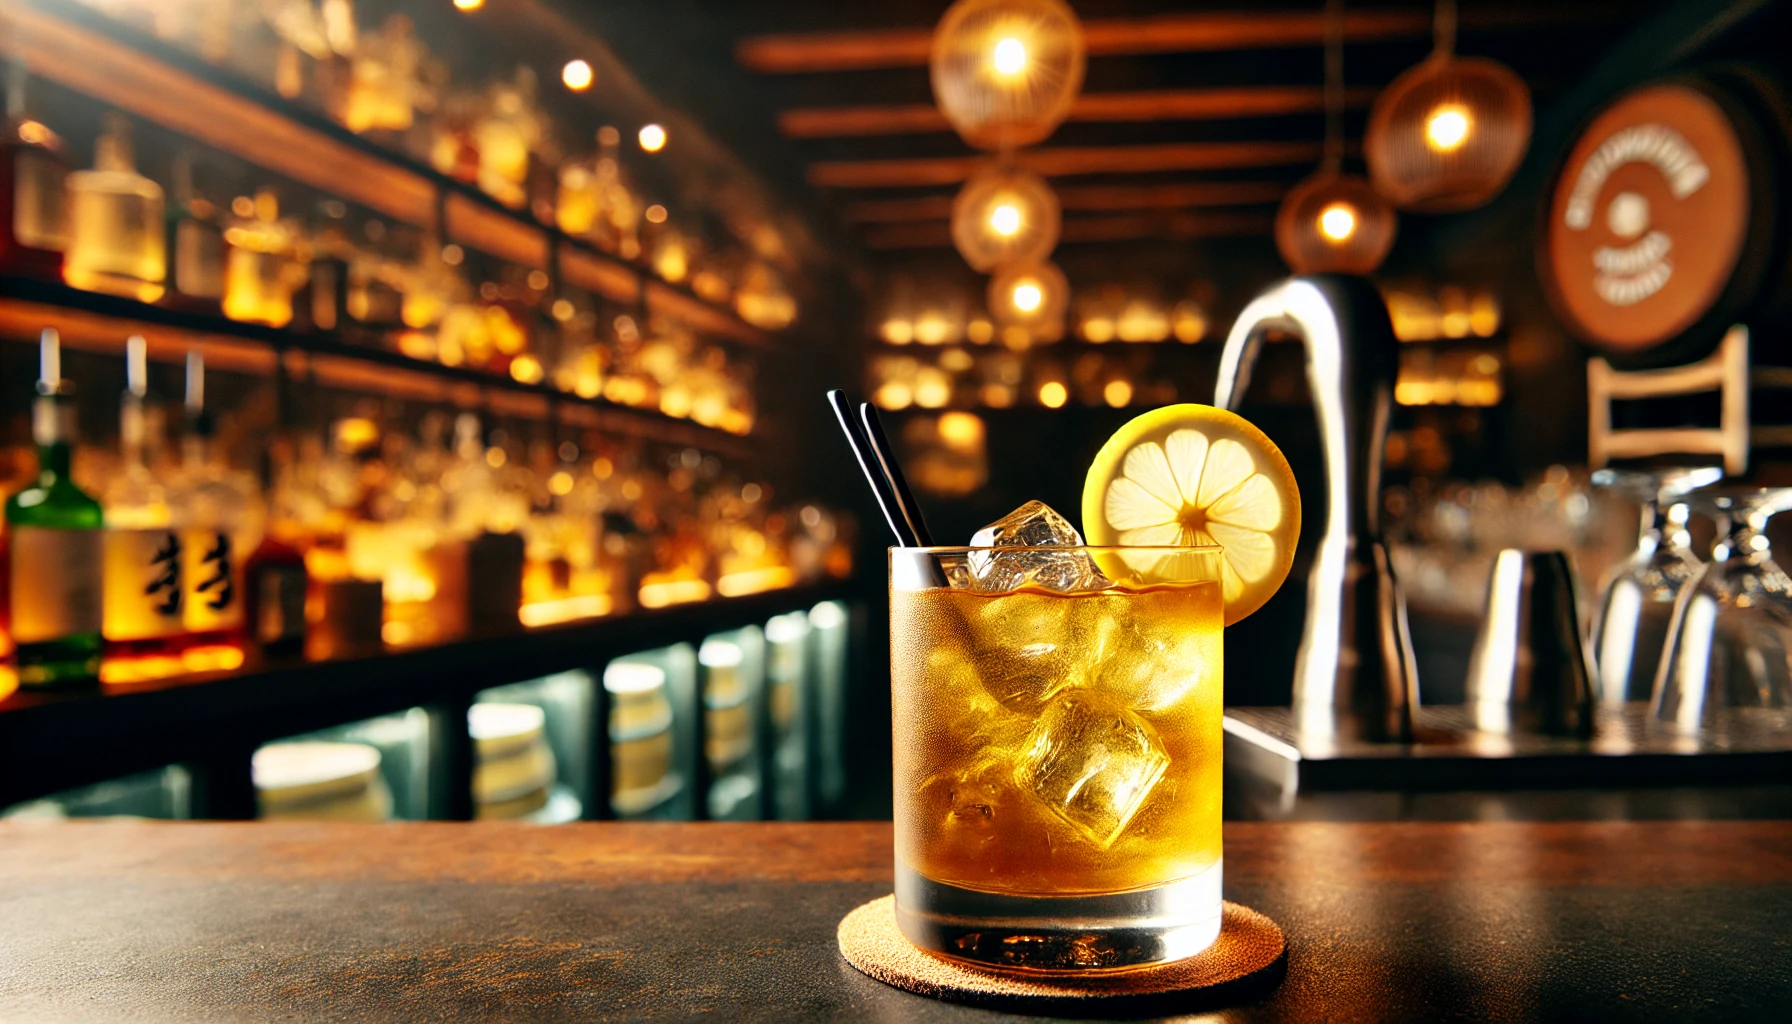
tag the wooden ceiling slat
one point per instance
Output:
(1065, 161)
(1154, 105)
(1083, 230)
(911, 209)
(808, 53)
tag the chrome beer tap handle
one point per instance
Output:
(1355, 676)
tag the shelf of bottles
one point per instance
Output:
(343, 524)
(358, 204)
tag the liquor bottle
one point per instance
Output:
(321, 304)
(275, 581)
(142, 546)
(117, 240)
(261, 271)
(507, 135)
(382, 92)
(219, 523)
(195, 242)
(54, 565)
(33, 175)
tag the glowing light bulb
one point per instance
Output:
(1053, 395)
(1337, 222)
(1027, 296)
(653, 138)
(577, 75)
(1004, 220)
(469, 5)
(1447, 128)
(1009, 57)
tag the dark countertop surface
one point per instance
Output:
(115, 921)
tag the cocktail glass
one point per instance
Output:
(1057, 758)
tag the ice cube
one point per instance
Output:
(1028, 646)
(1032, 525)
(1152, 653)
(1093, 763)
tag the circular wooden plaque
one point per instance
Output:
(1244, 960)
(1648, 219)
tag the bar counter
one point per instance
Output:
(223, 922)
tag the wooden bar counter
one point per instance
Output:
(103, 921)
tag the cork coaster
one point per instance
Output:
(1247, 957)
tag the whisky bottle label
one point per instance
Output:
(142, 584)
(280, 613)
(55, 583)
(211, 573)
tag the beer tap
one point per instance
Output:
(1355, 676)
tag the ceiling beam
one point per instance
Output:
(914, 209)
(1084, 230)
(1065, 161)
(808, 53)
(1155, 105)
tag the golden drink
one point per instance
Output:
(1057, 768)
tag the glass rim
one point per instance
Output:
(963, 549)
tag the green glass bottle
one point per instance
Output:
(55, 565)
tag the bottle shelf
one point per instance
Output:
(100, 323)
(84, 51)
(53, 740)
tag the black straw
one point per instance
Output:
(886, 457)
(880, 485)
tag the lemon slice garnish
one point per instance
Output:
(1195, 475)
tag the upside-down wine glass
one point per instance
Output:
(1638, 604)
(1729, 651)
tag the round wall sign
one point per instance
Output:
(1648, 219)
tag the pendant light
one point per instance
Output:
(1448, 134)
(1004, 214)
(1332, 222)
(1005, 72)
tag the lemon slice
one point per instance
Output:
(1194, 474)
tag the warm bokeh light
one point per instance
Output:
(1027, 296)
(469, 5)
(655, 214)
(1009, 57)
(1337, 222)
(577, 75)
(1447, 127)
(1117, 394)
(1053, 395)
(961, 429)
(653, 138)
(1005, 219)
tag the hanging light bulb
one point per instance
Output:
(1337, 221)
(1009, 57)
(1005, 72)
(1030, 296)
(1005, 220)
(1446, 128)
(1004, 215)
(1332, 222)
(1448, 134)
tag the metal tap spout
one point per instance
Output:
(1355, 675)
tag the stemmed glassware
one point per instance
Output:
(1730, 645)
(1638, 605)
